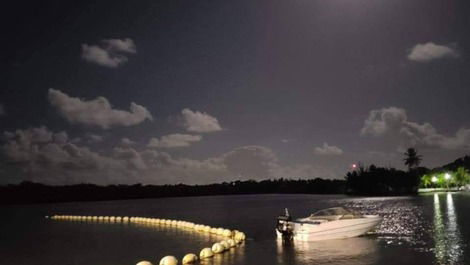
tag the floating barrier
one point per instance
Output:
(218, 248)
(168, 260)
(232, 237)
(225, 244)
(206, 253)
(144, 262)
(189, 259)
(231, 243)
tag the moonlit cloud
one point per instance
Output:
(126, 142)
(200, 122)
(174, 140)
(97, 112)
(109, 53)
(392, 123)
(430, 51)
(327, 150)
(38, 154)
(93, 138)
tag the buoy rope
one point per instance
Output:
(233, 237)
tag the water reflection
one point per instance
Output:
(447, 237)
(359, 250)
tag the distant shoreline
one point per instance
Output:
(30, 192)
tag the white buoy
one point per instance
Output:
(227, 233)
(206, 253)
(231, 243)
(217, 248)
(189, 258)
(144, 262)
(213, 230)
(239, 236)
(168, 260)
(220, 231)
(225, 244)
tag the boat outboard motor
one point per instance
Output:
(284, 226)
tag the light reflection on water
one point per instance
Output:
(447, 238)
(403, 221)
(360, 250)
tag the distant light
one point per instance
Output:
(354, 165)
(434, 179)
(447, 176)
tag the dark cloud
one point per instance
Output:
(326, 149)
(126, 142)
(174, 140)
(94, 138)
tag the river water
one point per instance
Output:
(425, 229)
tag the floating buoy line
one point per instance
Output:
(233, 238)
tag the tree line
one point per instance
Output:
(380, 181)
(30, 192)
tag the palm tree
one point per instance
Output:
(412, 159)
(426, 180)
(462, 176)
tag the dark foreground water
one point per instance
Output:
(427, 229)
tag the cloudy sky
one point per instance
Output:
(210, 91)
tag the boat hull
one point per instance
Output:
(333, 230)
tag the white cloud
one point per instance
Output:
(110, 52)
(96, 112)
(430, 51)
(393, 124)
(174, 140)
(118, 45)
(327, 150)
(201, 122)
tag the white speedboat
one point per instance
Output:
(332, 223)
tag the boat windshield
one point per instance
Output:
(337, 213)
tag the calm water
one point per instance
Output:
(428, 229)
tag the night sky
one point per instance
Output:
(210, 91)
